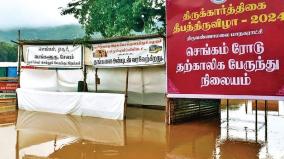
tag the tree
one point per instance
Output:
(118, 17)
(8, 52)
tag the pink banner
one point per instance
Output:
(225, 49)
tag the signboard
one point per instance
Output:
(225, 49)
(142, 52)
(54, 56)
(8, 86)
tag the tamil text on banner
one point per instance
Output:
(54, 56)
(143, 52)
(8, 86)
(225, 49)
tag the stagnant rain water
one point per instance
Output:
(145, 136)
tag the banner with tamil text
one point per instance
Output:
(53, 56)
(225, 49)
(142, 52)
(8, 86)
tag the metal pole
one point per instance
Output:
(246, 130)
(246, 105)
(227, 109)
(199, 107)
(55, 143)
(265, 118)
(256, 134)
(227, 118)
(19, 54)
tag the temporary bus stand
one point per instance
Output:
(49, 82)
(125, 52)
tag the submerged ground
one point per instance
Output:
(34, 135)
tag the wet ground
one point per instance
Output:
(144, 135)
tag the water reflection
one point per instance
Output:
(246, 124)
(52, 130)
(144, 135)
(193, 140)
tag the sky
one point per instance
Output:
(33, 13)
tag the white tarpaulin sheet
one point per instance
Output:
(146, 86)
(104, 105)
(68, 80)
(45, 80)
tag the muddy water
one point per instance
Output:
(144, 135)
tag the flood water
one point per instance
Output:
(143, 135)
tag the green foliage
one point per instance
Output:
(44, 33)
(118, 17)
(8, 52)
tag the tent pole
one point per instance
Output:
(126, 92)
(20, 49)
(246, 105)
(85, 78)
(96, 74)
(85, 89)
(19, 55)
